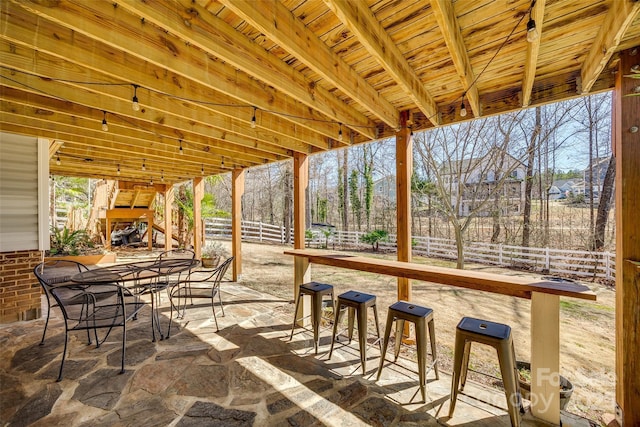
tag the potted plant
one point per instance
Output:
(524, 380)
(212, 252)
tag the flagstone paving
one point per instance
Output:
(246, 374)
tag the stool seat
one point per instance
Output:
(498, 336)
(355, 297)
(357, 304)
(411, 310)
(316, 291)
(422, 318)
(485, 328)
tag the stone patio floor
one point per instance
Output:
(247, 374)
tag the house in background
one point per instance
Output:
(562, 188)
(598, 169)
(476, 179)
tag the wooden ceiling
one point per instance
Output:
(309, 70)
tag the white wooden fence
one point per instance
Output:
(546, 260)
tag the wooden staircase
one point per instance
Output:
(117, 204)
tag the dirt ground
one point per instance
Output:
(587, 353)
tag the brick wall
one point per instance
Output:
(19, 288)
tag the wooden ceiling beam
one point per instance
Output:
(195, 24)
(357, 16)
(143, 40)
(533, 48)
(445, 15)
(198, 121)
(25, 113)
(282, 27)
(616, 23)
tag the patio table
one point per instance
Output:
(141, 276)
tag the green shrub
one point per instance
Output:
(374, 238)
(66, 242)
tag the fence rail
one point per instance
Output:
(546, 260)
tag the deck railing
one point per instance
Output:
(552, 261)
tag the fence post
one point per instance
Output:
(428, 246)
(282, 234)
(547, 261)
(260, 231)
(607, 262)
(500, 254)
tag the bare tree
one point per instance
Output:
(472, 163)
(604, 206)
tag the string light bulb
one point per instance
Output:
(532, 33)
(222, 161)
(411, 131)
(253, 119)
(58, 160)
(134, 100)
(118, 171)
(340, 133)
(105, 126)
(151, 181)
(463, 109)
(144, 166)
(202, 170)
(162, 175)
(181, 151)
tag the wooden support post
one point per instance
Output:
(107, 242)
(198, 194)
(404, 168)
(169, 195)
(150, 232)
(626, 126)
(545, 357)
(237, 190)
(302, 268)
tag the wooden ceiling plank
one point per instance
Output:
(195, 24)
(362, 22)
(281, 26)
(115, 27)
(533, 48)
(445, 15)
(619, 18)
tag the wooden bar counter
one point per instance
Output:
(545, 310)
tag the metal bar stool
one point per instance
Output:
(357, 303)
(497, 336)
(316, 291)
(422, 318)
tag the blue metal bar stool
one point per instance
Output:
(317, 291)
(357, 303)
(499, 337)
(422, 318)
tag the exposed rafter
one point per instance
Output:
(281, 26)
(359, 19)
(448, 23)
(619, 17)
(219, 39)
(533, 47)
(149, 43)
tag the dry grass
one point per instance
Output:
(587, 328)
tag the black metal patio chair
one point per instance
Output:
(203, 283)
(86, 307)
(59, 272)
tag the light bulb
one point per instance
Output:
(144, 167)
(105, 126)
(135, 105)
(118, 172)
(151, 181)
(181, 152)
(463, 110)
(253, 119)
(340, 133)
(532, 34)
(58, 161)
(202, 170)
